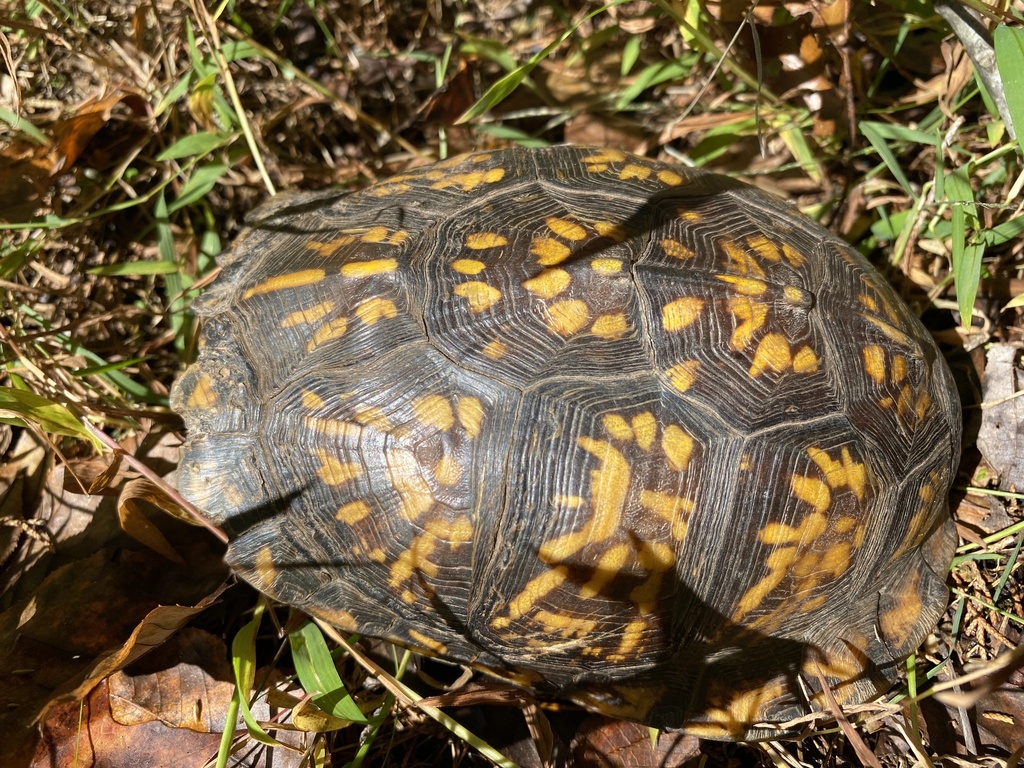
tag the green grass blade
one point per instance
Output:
(53, 418)
(966, 256)
(318, 675)
(1009, 45)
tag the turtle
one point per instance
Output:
(633, 435)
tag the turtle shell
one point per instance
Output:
(635, 435)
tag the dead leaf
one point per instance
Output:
(72, 134)
(185, 683)
(602, 742)
(158, 625)
(59, 637)
(134, 520)
(1001, 437)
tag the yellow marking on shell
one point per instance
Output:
(357, 269)
(617, 426)
(682, 375)
(606, 266)
(606, 569)
(765, 248)
(377, 555)
(671, 178)
(353, 512)
(479, 241)
(415, 560)
(568, 316)
(467, 182)
(372, 416)
(413, 491)
(609, 230)
(609, 486)
(677, 250)
(779, 534)
(427, 643)
(778, 562)
(693, 217)
(743, 710)
(793, 256)
(898, 372)
(335, 472)
(375, 235)
(534, 590)
(372, 310)
(572, 502)
(867, 301)
(902, 618)
(904, 403)
(470, 413)
(923, 405)
(836, 559)
(610, 327)
(565, 624)
(480, 296)
(331, 246)
(386, 189)
(495, 349)
(548, 283)
(750, 316)
(265, 569)
(569, 230)
(645, 428)
(204, 393)
(773, 354)
(335, 428)
(312, 401)
(844, 473)
(681, 313)
(805, 361)
(340, 618)
(657, 558)
(675, 510)
(633, 171)
(813, 491)
(434, 411)
(334, 328)
(309, 315)
(604, 156)
(746, 286)
(448, 471)
(454, 532)
(549, 251)
(795, 297)
(678, 447)
(468, 266)
(740, 259)
(298, 279)
(890, 331)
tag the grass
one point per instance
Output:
(135, 137)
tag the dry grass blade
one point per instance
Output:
(410, 698)
(8, 59)
(866, 756)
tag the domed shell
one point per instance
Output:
(635, 435)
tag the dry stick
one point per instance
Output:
(153, 477)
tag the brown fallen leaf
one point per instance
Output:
(602, 742)
(90, 617)
(185, 683)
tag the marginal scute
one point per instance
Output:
(633, 434)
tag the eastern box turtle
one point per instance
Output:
(635, 435)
